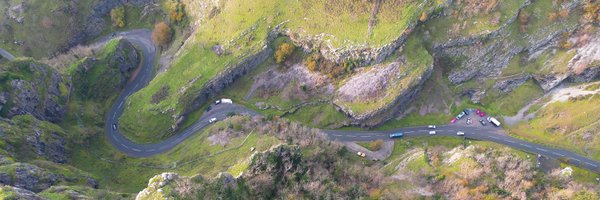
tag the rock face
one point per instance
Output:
(100, 77)
(510, 84)
(10, 192)
(29, 177)
(155, 185)
(33, 88)
(52, 146)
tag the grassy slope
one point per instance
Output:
(114, 170)
(418, 60)
(564, 125)
(232, 28)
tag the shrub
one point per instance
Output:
(162, 33)
(311, 63)
(283, 51)
(423, 17)
(160, 95)
(176, 10)
(117, 15)
(376, 145)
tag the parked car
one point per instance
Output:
(469, 121)
(361, 154)
(460, 133)
(477, 111)
(431, 132)
(483, 123)
(461, 115)
(212, 120)
(466, 111)
(114, 126)
(396, 135)
(431, 127)
(453, 120)
(229, 101)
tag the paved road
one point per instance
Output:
(6, 54)
(141, 39)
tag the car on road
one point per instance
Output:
(361, 154)
(453, 120)
(114, 126)
(483, 123)
(212, 120)
(431, 127)
(220, 101)
(396, 135)
(431, 132)
(460, 133)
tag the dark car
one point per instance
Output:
(482, 122)
(466, 111)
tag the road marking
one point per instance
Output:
(509, 141)
(541, 149)
(114, 115)
(350, 136)
(134, 149)
(337, 135)
(114, 137)
(151, 150)
(136, 85)
(494, 137)
(524, 145)
(590, 164)
(558, 154)
(364, 136)
(409, 131)
(120, 104)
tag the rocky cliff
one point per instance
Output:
(30, 87)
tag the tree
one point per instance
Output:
(176, 11)
(117, 15)
(162, 33)
(376, 145)
(283, 51)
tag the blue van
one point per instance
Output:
(396, 135)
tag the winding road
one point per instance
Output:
(141, 39)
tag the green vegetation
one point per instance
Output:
(372, 146)
(509, 104)
(593, 87)
(241, 28)
(196, 155)
(568, 125)
(418, 63)
(117, 15)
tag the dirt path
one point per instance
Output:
(558, 94)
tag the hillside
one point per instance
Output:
(105, 99)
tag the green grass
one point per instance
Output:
(319, 116)
(565, 125)
(509, 104)
(475, 25)
(191, 157)
(233, 27)
(592, 87)
(418, 62)
(582, 175)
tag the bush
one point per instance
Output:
(423, 17)
(376, 145)
(162, 33)
(176, 10)
(283, 51)
(311, 63)
(117, 15)
(160, 95)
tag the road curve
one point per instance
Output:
(141, 39)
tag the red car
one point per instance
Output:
(482, 114)
(477, 111)
(453, 120)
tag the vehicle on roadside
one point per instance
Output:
(431, 132)
(396, 135)
(453, 120)
(483, 123)
(477, 111)
(481, 114)
(466, 111)
(114, 126)
(431, 127)
(361, 154)
(461, 115)
(212, 120)
(460, 133)
(494, 121)
(220, 101)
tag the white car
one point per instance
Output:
(431, 132)
(212, 120)
(431, 127)
(361, 154)
(460, 133)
